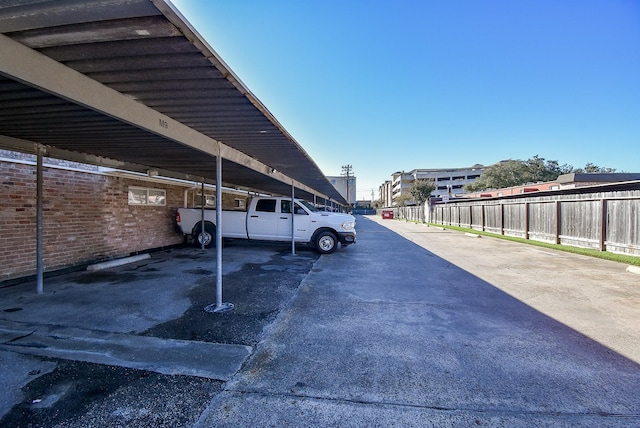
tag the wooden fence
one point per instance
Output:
(606, 221)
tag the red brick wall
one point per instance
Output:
(86, 217)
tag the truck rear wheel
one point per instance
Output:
(208, 236)
(326, 242)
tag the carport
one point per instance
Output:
(130, 84)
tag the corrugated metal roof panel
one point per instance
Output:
(149, 53)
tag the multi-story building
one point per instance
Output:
(400, 183)
(386, 194)
(449, 181)
(347, 188)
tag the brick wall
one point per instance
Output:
(86, 218)
(228, 199)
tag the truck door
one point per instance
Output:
(301, 222)
(262, 223)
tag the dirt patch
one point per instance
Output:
(83, 394)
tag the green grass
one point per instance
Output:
(621, 258)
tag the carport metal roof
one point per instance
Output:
(130, 84)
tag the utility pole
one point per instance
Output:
(346, 171)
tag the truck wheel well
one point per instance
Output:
(320, 230)
(196, 227)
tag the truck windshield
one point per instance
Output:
(309, 206)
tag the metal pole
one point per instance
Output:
(218, 229)
(219, 306)
(202, 202)
(39, 228)
(293, 214)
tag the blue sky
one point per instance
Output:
(387, 86)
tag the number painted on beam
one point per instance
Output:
(163, 123)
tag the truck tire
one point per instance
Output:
(209, 236)
(326, 242)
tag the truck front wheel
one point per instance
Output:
(208, 236)
(326, 242)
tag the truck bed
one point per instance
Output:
(235, 225)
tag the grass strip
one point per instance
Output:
(621, 258)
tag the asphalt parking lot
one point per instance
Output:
(411, 326)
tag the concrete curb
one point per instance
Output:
(118, 262)
(634, 269)
(173, 357)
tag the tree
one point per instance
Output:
(538, 169)
(420, 190)
(402, 200)
(591, 168)
(502, 174)
(511, 173)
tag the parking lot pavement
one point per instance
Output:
(427, 327)
(411, 326)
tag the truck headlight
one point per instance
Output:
(349, 225)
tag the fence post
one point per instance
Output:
(501, 218)
(603, 224)
(557, 221)
(483, 216)
(526, 220)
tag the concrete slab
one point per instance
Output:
(166, 356)
(248, 410)
(131, 298)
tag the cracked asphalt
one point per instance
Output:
(411, 326)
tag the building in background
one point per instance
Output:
(346, 187)
(449, 182)
(572, 180)
(564, 181)
(386, 194)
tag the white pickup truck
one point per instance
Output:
(269, 219)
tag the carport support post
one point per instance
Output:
(39, 246)
(293, 214)
(202, 201)
(219, 306)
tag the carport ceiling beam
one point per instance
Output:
(35, 69)
(31, 147)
